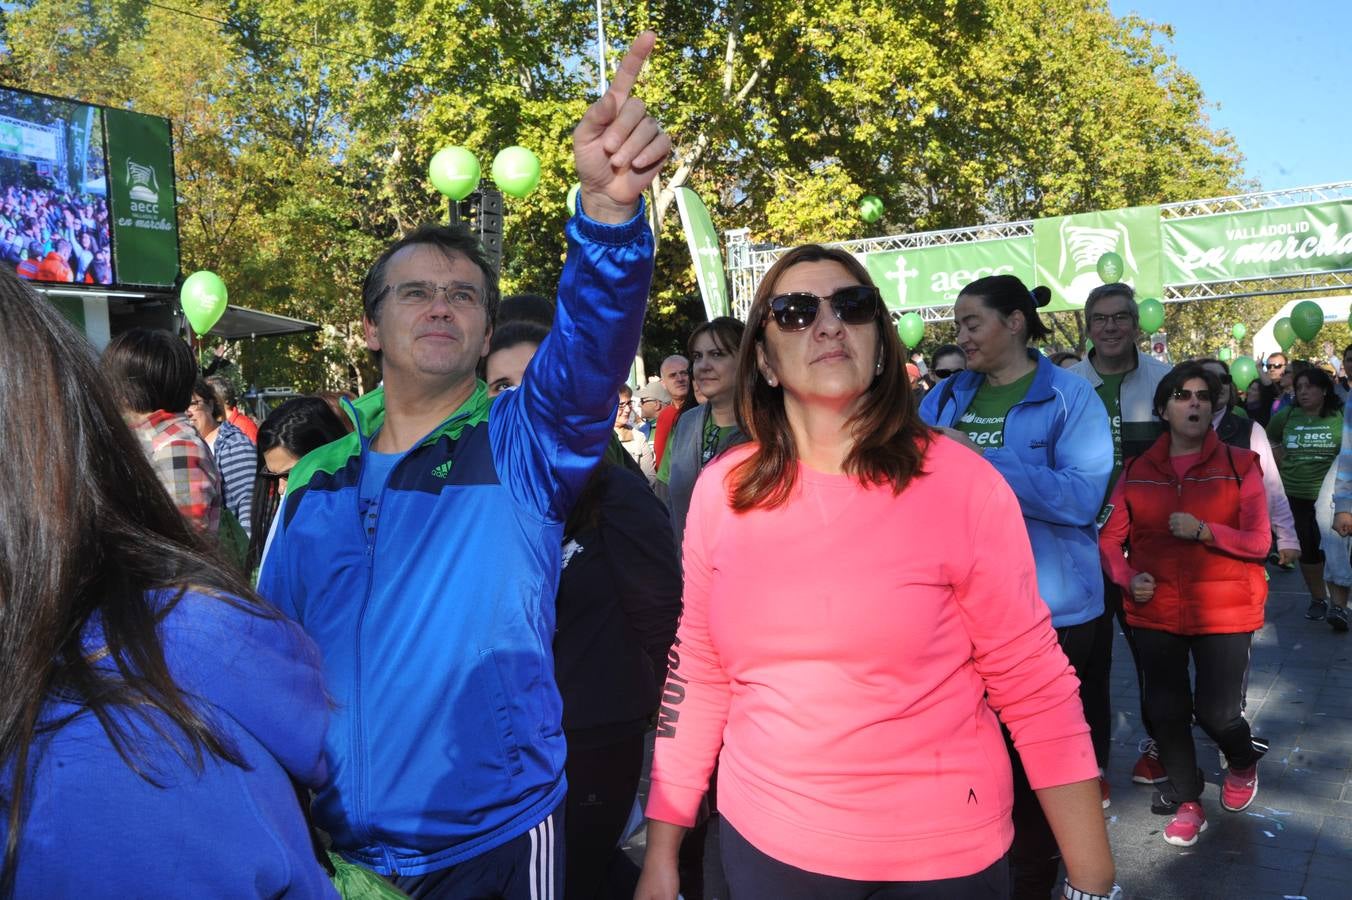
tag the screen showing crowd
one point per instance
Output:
(54, 222)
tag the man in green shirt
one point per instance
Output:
(1125, 380)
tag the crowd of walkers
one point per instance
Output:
(420, 637)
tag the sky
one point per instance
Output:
(1276, 73)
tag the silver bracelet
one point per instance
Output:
(1070, 892)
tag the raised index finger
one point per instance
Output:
(630, 66)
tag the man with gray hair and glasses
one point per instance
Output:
(1125, 380)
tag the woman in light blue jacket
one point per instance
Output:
(1047, 433)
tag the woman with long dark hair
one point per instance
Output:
(156, 715)
(290, 431)
(849, 690)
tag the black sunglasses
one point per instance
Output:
(1183, 394)
(941, 374)
(275, 476)
(854, 305)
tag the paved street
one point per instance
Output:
(1296, 839)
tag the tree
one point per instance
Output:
(303, 128)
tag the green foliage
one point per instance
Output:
(303, 128)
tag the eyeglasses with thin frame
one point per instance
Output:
(1120, 319)
(1203, 395)
(422, 293)
(857, 304)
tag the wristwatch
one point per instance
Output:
(1070, 892)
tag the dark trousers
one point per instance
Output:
(1095, 681)
(1034, 858)
(602, 784)
(753, 876)
(528, 867)
(1221, 661)
(1307, 530)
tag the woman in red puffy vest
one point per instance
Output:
(1193, 512)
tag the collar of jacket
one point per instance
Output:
(967, 382)
(368, 414)
(1158, 454)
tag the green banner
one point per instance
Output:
(1068, 249)
(145, 229)
(1293, 240)
(704, 252)
(932, 276)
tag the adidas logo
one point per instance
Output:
(442, 470)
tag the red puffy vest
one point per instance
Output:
(1198, 589)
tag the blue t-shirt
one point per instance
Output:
(375, 471)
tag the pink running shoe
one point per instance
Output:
(1186, 825)
(1240, 788)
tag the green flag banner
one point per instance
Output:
(141, 166)
(704, 252)
(1068, 250)
(932, 276)
(1292, 240)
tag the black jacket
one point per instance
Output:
(618, 603)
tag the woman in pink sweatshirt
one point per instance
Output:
(845, 664)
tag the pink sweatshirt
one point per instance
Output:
(841, 649)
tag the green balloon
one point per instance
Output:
(454, 171)
(1284, 333)
(1239, 331)
(911, 329)
(1224, 354)
(1152, 314)
(1306, 319)
(516, 171)
(1110, 268)
(1243, 372)
(204, 299)
(870, 209)
(571, 199)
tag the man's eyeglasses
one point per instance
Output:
(854, 305)
(421, 293)
(1120, 319)
(1271, 366)
(941, 374)
(1203, 395)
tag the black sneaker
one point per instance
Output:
(1337, 618)
(1318, 609)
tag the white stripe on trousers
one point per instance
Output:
(542, 860)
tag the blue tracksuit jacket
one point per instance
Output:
(1057, 456)
(436, 633)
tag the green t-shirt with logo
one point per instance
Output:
(1110, 393)
(1309, 446)
(984, 420)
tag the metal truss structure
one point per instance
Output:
(748, 262)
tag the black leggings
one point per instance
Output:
(602, 784)
(1221, 661)
(1307, 530)
(752, 875)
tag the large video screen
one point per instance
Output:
(55, 224)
